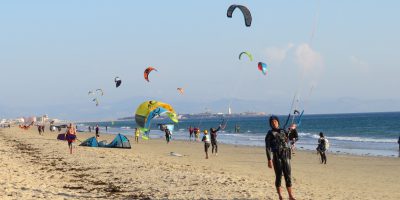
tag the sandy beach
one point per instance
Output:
(40, 167)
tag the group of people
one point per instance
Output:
(279, 147)
(5, 125)
(211, 139)
(194, 132)
(97, 130)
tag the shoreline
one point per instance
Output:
(34, 166)
(299, 147)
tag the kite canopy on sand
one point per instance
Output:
(150, 109)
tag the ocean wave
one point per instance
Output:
(315, 136)
(304, 134)
(125, 127)
(256, 139)
(361, 139)
(232, 134)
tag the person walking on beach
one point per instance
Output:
(191, 130)
(278, 155)
(398, 142)
(90, 129)
(43, 127)
(97, 131)
(106, 128)
(70, 135)
(137, 133)
(39, 129)
(214, 142)
(167, 135)
(293, 137)
(206, 139)
(196, 133)
(322, 146)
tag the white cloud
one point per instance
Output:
(278, 54)
(307, 58)
(357, 62)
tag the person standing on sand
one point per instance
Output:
(196, 133)
(191, 130)
(206, 139)
(106, 128)
(214, 143)
(90, 129)
(137, 133)
(39, 129)
(398, 142)
(97, 131)
(167, 135)
(322, 147)
(70, 135)
(279, 155)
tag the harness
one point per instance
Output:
(280, 140)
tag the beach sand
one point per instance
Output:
(34, 167)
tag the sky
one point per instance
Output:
(335, 56)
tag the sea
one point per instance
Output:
(366, 134)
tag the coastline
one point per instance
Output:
(183, 136)
(35, 166)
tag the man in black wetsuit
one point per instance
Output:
(278, 154)
(214, 143)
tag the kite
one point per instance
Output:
(262, 67)
(248, 55)
(96, 94)
(181, 90)
(96, 100)
(245, 11)
(147, 72)
(151, 109)
(100, 92)
(117, 81)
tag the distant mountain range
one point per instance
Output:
(111, 110)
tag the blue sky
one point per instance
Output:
(53, 52)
